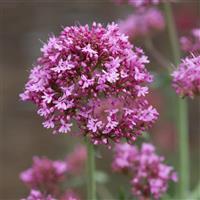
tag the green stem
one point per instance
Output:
(91, 185)
(182, 109)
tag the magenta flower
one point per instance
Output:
(44, 175)
(150, 176)
(143, 23)
(124, 156)
(76, 160)
(37, 195)
(186, 78)
(138, 3)
(82, 69)
(46, 178)
(70, 195)
(191, 43)
(142, 3)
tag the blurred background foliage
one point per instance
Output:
(23, 25)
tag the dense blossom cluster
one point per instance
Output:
(46, 176)
(186, 78)
(138, 3)
(191, 43)
(81, 70)
(143, 23)
(150, 176)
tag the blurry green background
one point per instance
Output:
(22, 25)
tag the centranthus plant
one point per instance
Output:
(46, 177)
(94, 78)
(150, 176)
(84, 68)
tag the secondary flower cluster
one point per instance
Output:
(150, 176)
(186, 78)
(81, 70)
(45, 176)
(138, 3)
(191, 43)
(37, 195)
(143, 23)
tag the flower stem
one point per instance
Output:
(91, 185)
(182, 109)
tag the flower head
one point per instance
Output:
(70, 195)
(142, 23)
(191, 43)
(150, 176)
(79, 71)
(138, 3)
(76, 160)
(44, 174)
(186, 78)
(37, 195)
(124, 156)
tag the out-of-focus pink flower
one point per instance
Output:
(76, 160)
(142, 3)
(124, 156)
(83, 67)
(44, 174)
(138, 3)
(186, 78)
(70, 195)
(142, 23)
(37, 195)
(191, 43)
(150, 176)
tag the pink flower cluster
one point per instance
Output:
(76, 160)
(84, 68)
(37, 195)
(150, 176)
(46, 176)
(70, 195)
(186, 78)
(191, 43)
(138, 3)
(143, 23)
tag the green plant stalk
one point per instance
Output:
(182, 110)
(91, 184)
